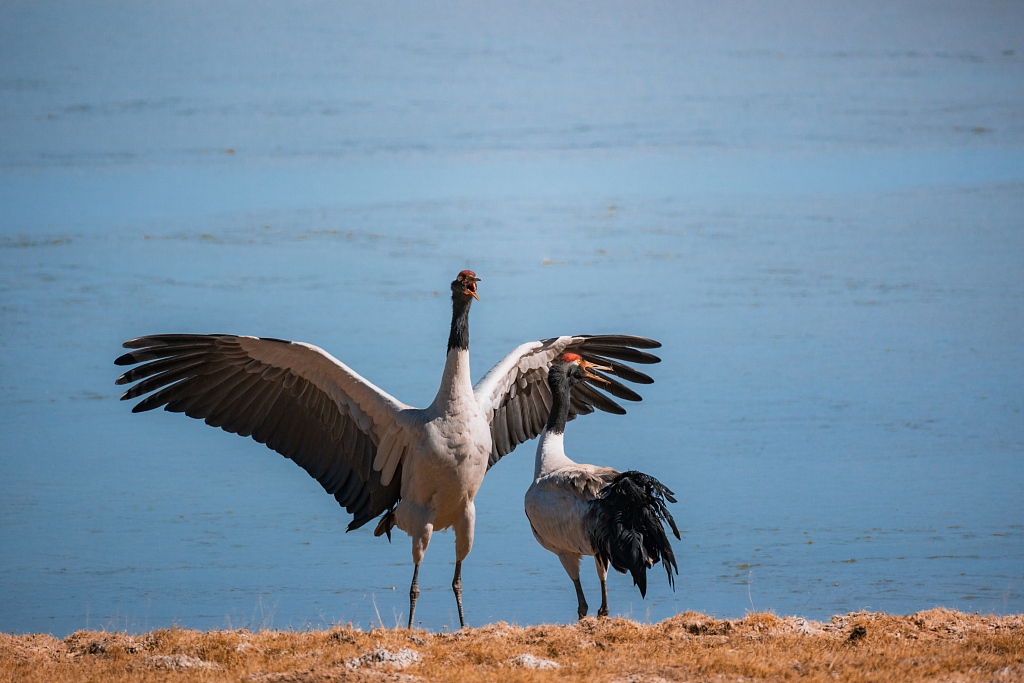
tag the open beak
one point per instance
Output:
(471, 287)
(587, 367)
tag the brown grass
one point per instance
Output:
(937, 645)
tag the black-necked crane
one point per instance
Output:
(418, 468)
(576, 510)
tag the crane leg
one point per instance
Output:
(602, 573)
(463, 544)
(582, 609)
(421, 521)
(414, 593)
(457, 587)
(571, 564)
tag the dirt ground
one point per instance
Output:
(937, 645)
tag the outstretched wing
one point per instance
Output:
(296, 398)
(515, 397)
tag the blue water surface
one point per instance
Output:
(818, 210)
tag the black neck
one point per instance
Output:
(560, 384)
(459, 336)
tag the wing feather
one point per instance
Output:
(217, 400)
(619, 369)
(526, 411)
(161, 350)
(295, 398)
(501, 438)
(624, 340)
(514, 394)
(253, 416)
(616, 388)
(593, 397)
(515, 415)
(348, 436)
(346, 492)
(622, 353)
(269, 425)
(335, 476)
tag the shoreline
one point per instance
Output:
(934, 645)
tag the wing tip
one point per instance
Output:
(636, 341)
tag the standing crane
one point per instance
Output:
(419, 468)
(577, 510)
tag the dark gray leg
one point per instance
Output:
(414, 592)
(457, 587)
(602, 573)
(582, 610)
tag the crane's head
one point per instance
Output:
(465, 284)
(576, 366)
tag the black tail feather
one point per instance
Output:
(627, 527)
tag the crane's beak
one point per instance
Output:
(587, 367)
(471, 287)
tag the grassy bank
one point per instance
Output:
(937, 645)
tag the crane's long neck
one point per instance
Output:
(456, 385)
(550, 448)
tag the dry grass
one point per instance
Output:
(937, 645)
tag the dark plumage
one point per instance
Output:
(627, 529)
(212, 378)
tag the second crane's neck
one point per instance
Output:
(456, 383)
(550, 454)
(550, 449)
(560, 384)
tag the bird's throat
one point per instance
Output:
(458, 338)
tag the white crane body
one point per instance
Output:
(446, 463)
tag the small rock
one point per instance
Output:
(858, 633)
(179, 662)
(343, 637)
(104, 646)
(530, 662)
(382, 657)
(805, 629)
(333, 675)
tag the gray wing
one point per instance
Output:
(515, 397)
(293, 397)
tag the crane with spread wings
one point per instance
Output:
(417, 468)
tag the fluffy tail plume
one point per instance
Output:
(628, 531)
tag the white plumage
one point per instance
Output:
(421, 468)
(576, 510)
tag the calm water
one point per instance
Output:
(819, 212)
